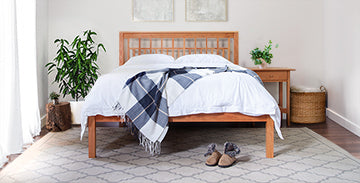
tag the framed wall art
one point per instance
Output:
(153, 10)
(206, 10)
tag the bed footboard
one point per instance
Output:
(217, 117)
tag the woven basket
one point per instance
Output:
(307, 107)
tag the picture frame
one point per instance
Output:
(206, 10)
(152, 10)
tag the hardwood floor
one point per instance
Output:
(337, 134)
(329, 129)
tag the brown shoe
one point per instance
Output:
(214, 155)
(226, 161)
(228, 158)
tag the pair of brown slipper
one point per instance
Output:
(222, 160)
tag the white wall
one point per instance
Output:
(319, 38)
(342, 61)
(42, 52)
(297, 26)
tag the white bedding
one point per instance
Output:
(230, 92)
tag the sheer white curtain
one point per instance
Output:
(19, 112)
(26, 36)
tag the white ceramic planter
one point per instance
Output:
(76, 107)
(263, 65)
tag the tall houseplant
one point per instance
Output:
(262, 57)
(75, 65)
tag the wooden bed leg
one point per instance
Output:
(92, 136)
(269, 138)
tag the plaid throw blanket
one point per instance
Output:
(147, 95)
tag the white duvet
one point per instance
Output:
(223, 92)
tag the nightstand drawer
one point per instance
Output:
(273, 75)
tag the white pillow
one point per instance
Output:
(202, 60)
(150, 59)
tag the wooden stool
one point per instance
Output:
(58, 116)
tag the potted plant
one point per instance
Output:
(54, 97)
(76, 68)
(264, 57)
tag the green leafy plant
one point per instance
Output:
(75, 64)
(258, 56)
(54, 96)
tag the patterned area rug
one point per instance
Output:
(303, 156)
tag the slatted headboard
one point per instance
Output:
(177, 44)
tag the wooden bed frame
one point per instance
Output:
(126, 49)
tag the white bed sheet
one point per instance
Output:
(230, 92)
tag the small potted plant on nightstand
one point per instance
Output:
(76, 68)
(262, 58)
(54, 98)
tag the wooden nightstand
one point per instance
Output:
(280, 75)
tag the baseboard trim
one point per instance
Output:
(344, 122)
(43, 120)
